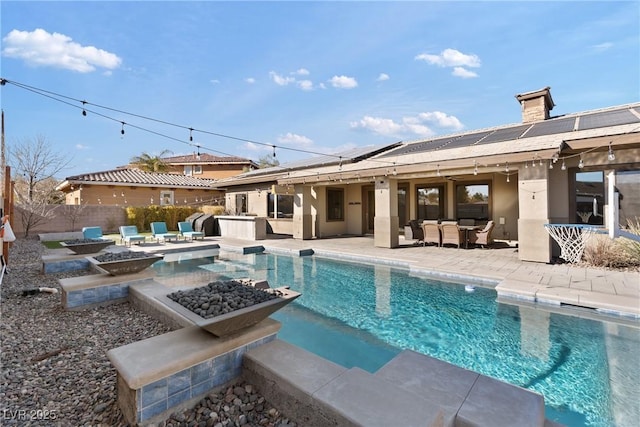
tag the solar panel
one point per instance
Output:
(551, 126)
(607, 118)
(506, 134)
(465, 140)
(417, 147)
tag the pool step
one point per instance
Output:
(469, 398)
(315, 392)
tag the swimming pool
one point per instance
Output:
(358, 314)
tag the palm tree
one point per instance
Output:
(149, 163)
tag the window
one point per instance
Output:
(472, 201)
(335, 204)
(589, 201)
(627, 183)
(166, 198)
(241, 203)
(282, 204)
(190, 170)
(430, 202)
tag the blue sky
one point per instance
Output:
(307, 77)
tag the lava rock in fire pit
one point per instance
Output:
(83, 241)
(121, 256)
(219, 298)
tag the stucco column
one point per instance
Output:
(386, 222)
(303, 202)
(534, 243)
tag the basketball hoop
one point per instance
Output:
(572, 239)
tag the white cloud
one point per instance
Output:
(250, 80)
(305, 84)
(281, 80)
(412, 125)
(602, 46)
(463, 72)
(343, 82)
(450, 58)
(253, 147)
(379, 125)
(441, 120)
(40, 48)
(214, 81)
(294, 139)
(382, 77)
(301, 72)
(82, 147)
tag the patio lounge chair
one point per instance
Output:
(431, 232)
(413, 231)
(129, 234)
(92, 233)
(186, 230)
(452, 235)
(159, 232)
(483, 237)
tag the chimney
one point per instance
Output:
(536, 105)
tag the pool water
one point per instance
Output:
(358, 314)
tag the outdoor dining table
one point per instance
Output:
(467, 229)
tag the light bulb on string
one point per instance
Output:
(581, 162)
(84, 112)
(438, 170)
(506, 168)
(198, 152)
(274, 151)
(540, 162)
(475, 168)
(190, 134)
(611, 155)
(550, 164)
(508, 180)
(395, 172)
(122, 129)
(564, 166)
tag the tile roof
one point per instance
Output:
(132, 176)
(206, 158)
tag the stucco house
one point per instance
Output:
(208, 166)
(546, 169)
(133, 187)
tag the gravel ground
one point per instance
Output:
(54, 368)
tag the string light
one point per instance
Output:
(190, 134)
(564, 166)
(475, 167)
(395, 172)
(84, 112)
(550, 164)
(508, 180)
(438, 170)
(506, 168)
(274, 151)
(581, 162)
(611, 156)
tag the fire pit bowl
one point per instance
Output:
(223, 308)
(124, 262)
(86, 246)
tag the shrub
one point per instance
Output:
(142, 217)
(632, 247)
(605, 252)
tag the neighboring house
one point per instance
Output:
(207, 166)
(564, 169)
(133, 187)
